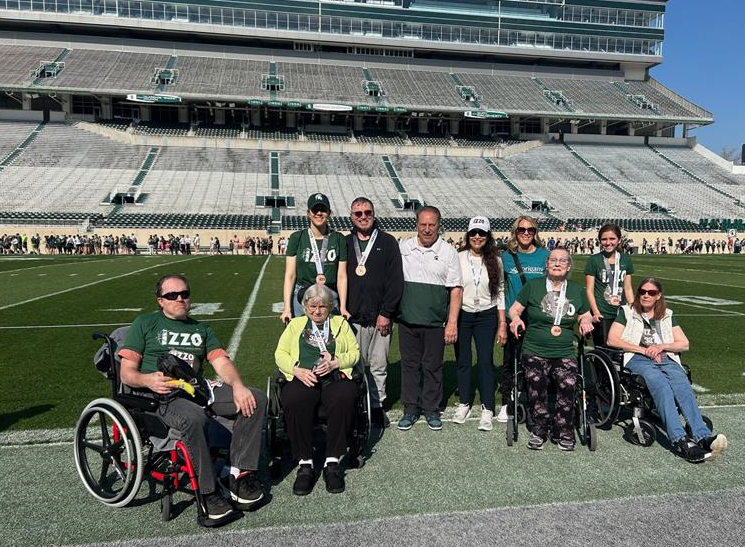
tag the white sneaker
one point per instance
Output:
(502, 416)
(462, 413)
(485, 423)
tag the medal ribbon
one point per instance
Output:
(476, 278)
(560, 302)
(321, 338)
(616, 272)
(362, 257)
(316, 255)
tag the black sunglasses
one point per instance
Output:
(319, 209)
(480, 233)
(650, 292)
(523, 230)
(365, 213)
(175, 294)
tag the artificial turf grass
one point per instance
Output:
(418, 472)
(43, 367)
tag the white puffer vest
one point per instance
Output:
(635, 328)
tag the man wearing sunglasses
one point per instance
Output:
(171, 330)
(375, 281)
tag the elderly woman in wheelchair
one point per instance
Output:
(652, 341)
(316, 354)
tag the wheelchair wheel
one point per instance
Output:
(362, 424)
(166, 501)
(273, 442)
(706, 420)
(592, 437)
(108, 452)
(641, 433)
(511, 432)
(604, 384)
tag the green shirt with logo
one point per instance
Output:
(540, 308)
(298, 245)
(153, 334)
(595, 267)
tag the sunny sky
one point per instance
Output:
(704, 60)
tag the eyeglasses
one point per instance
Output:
(316, 307)
(558, 261)
(365, 213)
(319, 210)
(650, 292)
(524, 230)
(477, 233)
(175, 294)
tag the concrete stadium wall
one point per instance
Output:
(30, 115)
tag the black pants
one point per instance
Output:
(421, 349)
(482, 327)
(300, 402)
(600, 332)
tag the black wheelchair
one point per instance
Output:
(617, 392)
(517, 406)
(276, 437)
(118, 443)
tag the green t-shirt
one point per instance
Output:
(309, 352)
(298, 245)
(540, 309)
(595, 267)
(153, 334)
(649, 328)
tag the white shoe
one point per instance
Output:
(485, 423)
(502, 416)
(462, 413)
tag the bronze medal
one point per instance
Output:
(556, 330)
(321, 279)
(360, 270)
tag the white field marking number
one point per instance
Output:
(702, 300)
(206, 308)
(278, 307)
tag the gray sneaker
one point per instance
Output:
(502, 416)
(462, 413)
(535, 442)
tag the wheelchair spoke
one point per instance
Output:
(104, 473)
(95, 447)
(104, 429)
(118, 469)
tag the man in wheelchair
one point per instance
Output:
(651, 340)
(171, 330)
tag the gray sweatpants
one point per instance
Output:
(194, 424)
(374, 355)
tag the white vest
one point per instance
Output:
(634, 329)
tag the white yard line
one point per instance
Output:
(695, 282)
(235, 340)
(43, 296)
(719, 311)
(74, 261)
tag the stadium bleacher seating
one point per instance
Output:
(418, 89)
(18, 63)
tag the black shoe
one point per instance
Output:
(691, 451)
(380, 418)
(246, 490)
(217, 508)
(304, 480)
(333, 475)
(716, 444)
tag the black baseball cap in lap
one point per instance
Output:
(318, 200)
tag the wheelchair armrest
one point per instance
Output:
(135, 401)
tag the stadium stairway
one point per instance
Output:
(393, 175)
(694, 176)
(595, 171)
(8, 159)
(505, 179)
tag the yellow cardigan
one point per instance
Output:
(287, 353)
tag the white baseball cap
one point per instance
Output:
(479, 223)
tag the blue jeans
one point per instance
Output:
(668, 383)
(482, 327)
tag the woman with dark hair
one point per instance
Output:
(524, 259)
(652, 341)
(483, 303)
(608, 281)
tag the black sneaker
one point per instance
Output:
(689, 450)
(216, 507)
(304, 480)
(567, 445)
(246, 490)
(535, 442)
(716, 444)
(333, 475)
(380, 418)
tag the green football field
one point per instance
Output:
(49, 306)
